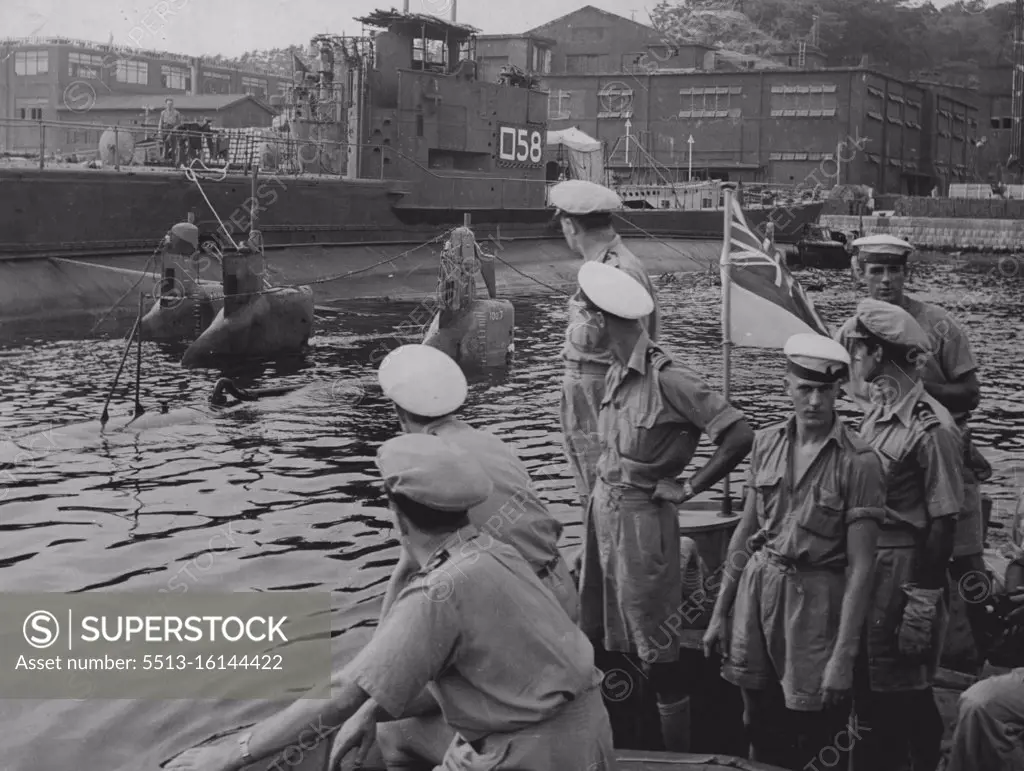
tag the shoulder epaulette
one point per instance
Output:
(439, 559)
(924, 413)
(658, 358)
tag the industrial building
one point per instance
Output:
(784, 119)
(84, 84)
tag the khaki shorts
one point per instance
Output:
(888, 669)
(582, 393)
(784, 628)
(631, 586)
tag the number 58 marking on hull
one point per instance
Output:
(520, 145)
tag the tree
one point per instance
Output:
(901, 36)
(713, 23)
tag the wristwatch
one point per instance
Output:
(687, 491)
(243, 745)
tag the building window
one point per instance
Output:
(541, 60)
(559, 105)
(216, 83)
(132, 72)
(30, 108)
(32, 62)
(84, 65)
(711, 102)
(810, 101)
(255, 86)
(615, 101)
(176, 78)
(585, 63)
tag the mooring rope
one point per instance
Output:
(711, 264)
(190, 175)
(521, 273)
(120, 299)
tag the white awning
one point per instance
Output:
(574, 139)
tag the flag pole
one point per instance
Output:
(726, 308)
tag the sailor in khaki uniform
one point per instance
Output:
(509, 671)
(427, 388)
(950, 375)
(653, 413)
(921, 451)
(798, 577)
(585, 212)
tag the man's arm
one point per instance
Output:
(733, 446)
(864, 500)
(278, 731)
(940, 457)
(694, 402)
(737, 556)
(865, 511)
(411, 646)
(404, 570)
(861, 543)
(961, 395)
(423, 705)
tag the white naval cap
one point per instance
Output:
(423, 380)
(614, 291)
(882, 249)
(577, 196)
(816, 357)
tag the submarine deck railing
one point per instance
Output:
(239, 149)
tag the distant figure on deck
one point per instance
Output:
(584, 210)
(167, 125)
(797, 580)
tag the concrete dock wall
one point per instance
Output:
(985, 235)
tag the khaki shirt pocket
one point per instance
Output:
(826, 517)
(767, 488)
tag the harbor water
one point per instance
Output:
(283, 496)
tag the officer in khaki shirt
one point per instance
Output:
(653, 413)
(584, 210)
(805, 546)
(921, 451)
(950, 375)
(511, 674)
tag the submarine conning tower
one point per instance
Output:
(415, 112)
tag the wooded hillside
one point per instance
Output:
(908, 38)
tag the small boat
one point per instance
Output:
(821, 247)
